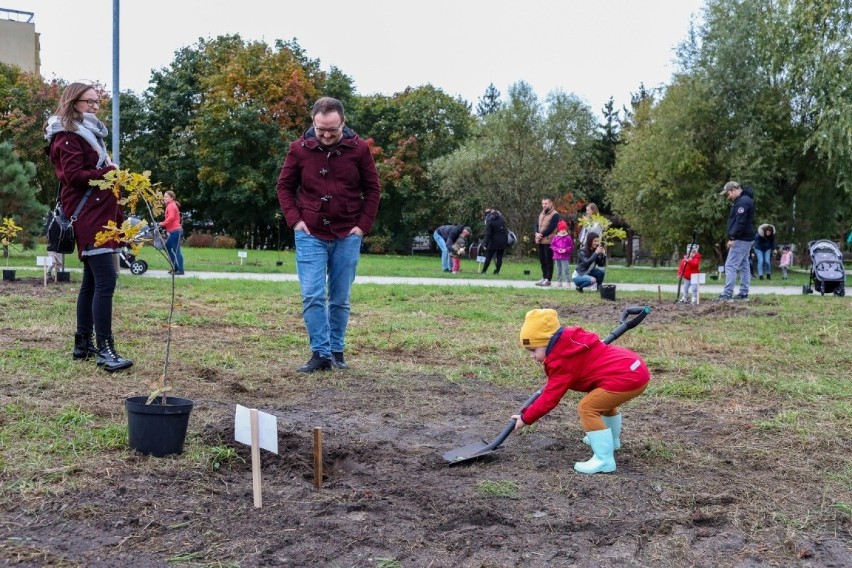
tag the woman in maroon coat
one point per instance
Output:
(76, 149)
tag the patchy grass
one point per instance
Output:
(502, 489)
(744, 431)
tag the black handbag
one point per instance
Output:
(60, 229)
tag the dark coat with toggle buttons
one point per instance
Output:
(331, 189)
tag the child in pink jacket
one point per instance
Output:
(786, 260)
(562, 246)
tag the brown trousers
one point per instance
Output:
(602, 402)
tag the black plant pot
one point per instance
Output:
(607, 291)
(8, 274)
(279, 263)
(156, 429)
(63, 277)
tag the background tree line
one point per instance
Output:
(761, 96)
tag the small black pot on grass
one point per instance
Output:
(8, 275)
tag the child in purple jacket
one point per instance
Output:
(562, 246)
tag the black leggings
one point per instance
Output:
(545, 257)
(94, 302)
(497, 255)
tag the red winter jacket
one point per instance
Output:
(331, 189)
(688, 267)
(578, 360)
(75, 163)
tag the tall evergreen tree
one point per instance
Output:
(489, 103)
(18, 195)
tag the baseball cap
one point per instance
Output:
(728, 187)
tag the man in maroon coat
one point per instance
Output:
(329, 193)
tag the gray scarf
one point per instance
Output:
(92, 129)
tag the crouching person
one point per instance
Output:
(576, 359)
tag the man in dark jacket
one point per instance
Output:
(740, 238)
(329, 193)
(445, 236)
(496, 239)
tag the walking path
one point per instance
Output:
(708, 291)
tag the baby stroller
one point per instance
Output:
(127, 259)
(827, 271)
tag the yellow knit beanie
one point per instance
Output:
(539, 326)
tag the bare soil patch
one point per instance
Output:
(696, 485)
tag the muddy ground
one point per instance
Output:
(696, 485)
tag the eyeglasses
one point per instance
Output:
(90, 102)
(328, 130)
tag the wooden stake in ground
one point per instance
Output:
(259, 430)
(255, 461)
(659, 293)
(318, 457)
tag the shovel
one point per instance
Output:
(483, 448)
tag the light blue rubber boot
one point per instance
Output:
(603, 460)
(614, 424)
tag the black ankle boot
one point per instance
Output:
(84, 347)
(108, 357)
(337, 360)
(316, 363)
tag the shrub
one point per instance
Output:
(199, 240)
(377, 244)
(224, 242)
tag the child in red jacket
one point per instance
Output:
(689, 265)
(576, 359)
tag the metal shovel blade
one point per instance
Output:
(468, 452)
(483, 448)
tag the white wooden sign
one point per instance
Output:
(242, 254)
(698, 279)
(259, 430)
(267, 429)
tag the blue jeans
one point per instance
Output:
(563, 270)
(445, 255)
(173, 246)
(594, 275)
(326, 271)
(764, 258)
(737, 262)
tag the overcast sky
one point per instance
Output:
(594, 48)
